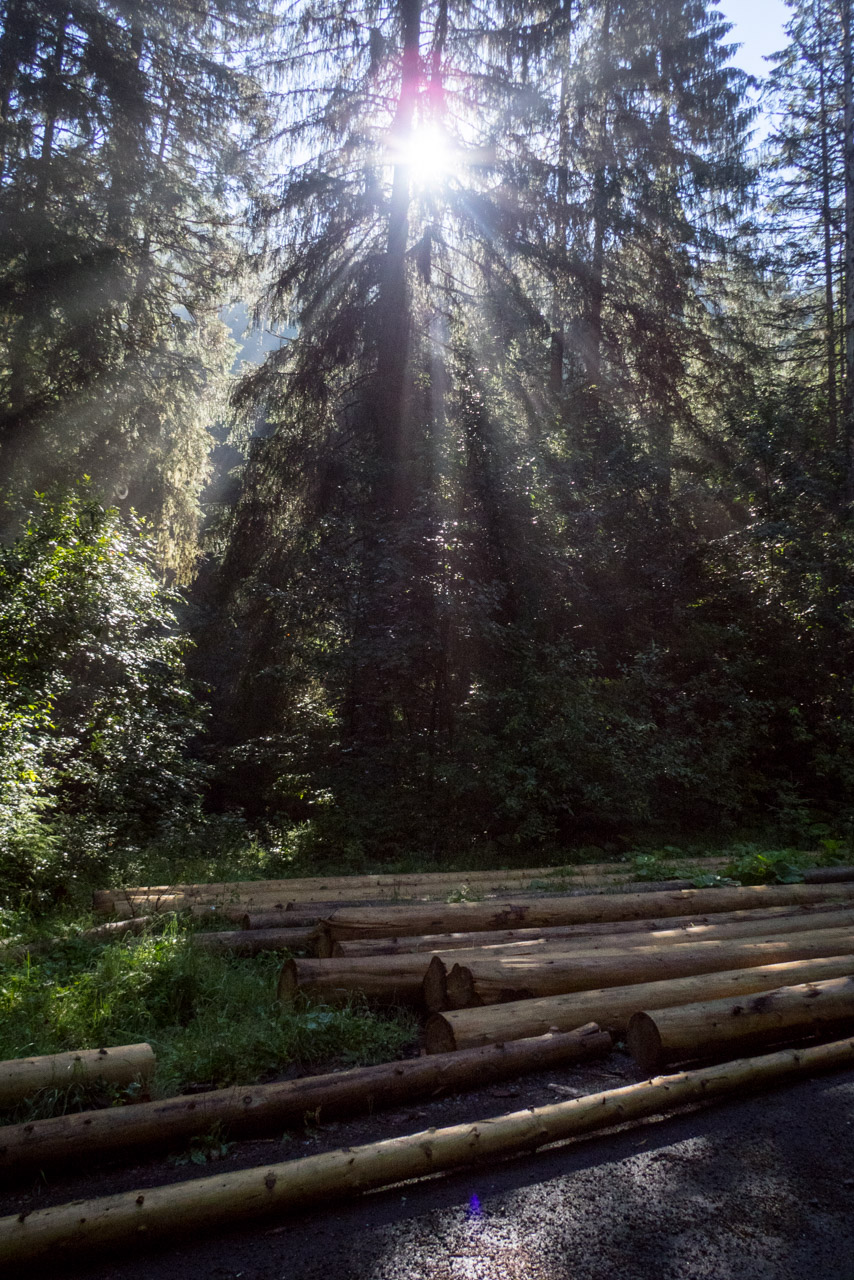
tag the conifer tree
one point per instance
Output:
(120, 145)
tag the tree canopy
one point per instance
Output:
(542, 528)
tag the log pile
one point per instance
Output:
(265, 896)
(491, 972)
(514, 984)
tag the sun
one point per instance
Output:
(429, 156)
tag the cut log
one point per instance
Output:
(382, 922)
(335, 888)
(392, 979)
(612, 1007)
(560, 942)
(723, 1028)
(265, 1109)
(276, 919)
(156, 1213)
(251, 942)
(828, 875)
(440, 942)
(127, 909)
(491, 981)
(121, 1064)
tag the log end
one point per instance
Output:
(439, 1035)
(644, 1042)
(435, 987)
(324, 947)
(461, 992)
(288, 983)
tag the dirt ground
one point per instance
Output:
(760, 1188)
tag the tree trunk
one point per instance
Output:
(383, 922)
(478, 982)
(392, 979)
(157, 1213)
(250, 942)
(279, 918)
(827, 231)
(616, 936)
(267, 1109)
(848, 274)
(20, 1077)
(613, 1006)
(718, 1028)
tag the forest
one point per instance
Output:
(520, 519)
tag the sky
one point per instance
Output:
(758, 27)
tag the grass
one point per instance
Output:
(212, 1020)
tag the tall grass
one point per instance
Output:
(212, 1020)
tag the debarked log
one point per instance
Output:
(265, 1109)
(392, 979)
(155, 1214)
(250, 942)
(121, 1064)
(491, 981)
(546, 949)
(400, 921)
(278, 918)
(612, 1007)
(755, 920)
(718, 1028)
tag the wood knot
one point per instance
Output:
(140, 1199)
(270, 1180)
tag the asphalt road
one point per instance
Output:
(756, 1189)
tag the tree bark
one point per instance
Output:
(718, 1028)
(122, 1064)
(383, 922)
(616, 935)
(848, 251)
(264, 1109)
(157, 1213)
(612, 1007)
(478, 982)
(250, 942)
(392, 979)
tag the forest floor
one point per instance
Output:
(759, 1188)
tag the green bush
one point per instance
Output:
(95, 711)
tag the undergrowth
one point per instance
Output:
(211, 1020)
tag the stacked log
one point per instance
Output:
(612, 1007)
(504, 978)
(267, 894)
(718, 1028)
(154, 1214)
(419, 919)
(251, 942)
(268, 1109)
(389, 979)
(617, 933)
